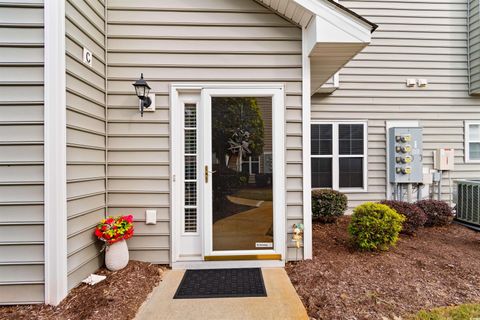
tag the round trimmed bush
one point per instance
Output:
(375, 226)
(415, 217)
(328, 205)
(438, 212)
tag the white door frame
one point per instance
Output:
(277, 92)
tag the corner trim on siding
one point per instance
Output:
(306, 118)
(55, 193)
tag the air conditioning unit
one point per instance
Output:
(468, 201)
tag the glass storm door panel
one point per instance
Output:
(241, 160)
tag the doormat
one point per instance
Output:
(221, 283)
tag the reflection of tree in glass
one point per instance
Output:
(237, 124)
(237, 128)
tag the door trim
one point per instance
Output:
(244, 257)
(277, 92)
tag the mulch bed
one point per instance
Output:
(437, 267)
(117, 297)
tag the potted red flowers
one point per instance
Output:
(113, 231)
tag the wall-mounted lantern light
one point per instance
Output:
(142, 89)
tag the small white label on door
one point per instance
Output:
(263, 244)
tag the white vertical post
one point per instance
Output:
(307, 184)
(55, 193)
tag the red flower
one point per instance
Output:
(114, 229)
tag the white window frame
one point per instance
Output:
(335, 156)
(198, 172)
(250, 162)
(468, 141)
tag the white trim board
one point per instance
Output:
(306, 166)
(55, 188)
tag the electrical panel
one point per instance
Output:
(405, 158)
(444, 159)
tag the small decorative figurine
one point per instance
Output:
(297, 234)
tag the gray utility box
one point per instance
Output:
(405, 158)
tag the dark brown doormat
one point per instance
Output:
(221, 283)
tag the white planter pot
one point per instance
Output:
(116, 256)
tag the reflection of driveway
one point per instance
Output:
(242, 230)
(245, 202)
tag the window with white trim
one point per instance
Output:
(339, 155)
(190, 170)
(472, 141)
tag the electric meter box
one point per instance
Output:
(444, 159)
(405, 155)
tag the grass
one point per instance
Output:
(461, 312)
(264, 194)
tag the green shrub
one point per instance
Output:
(415, 217)
(375, 226)
(328, 205)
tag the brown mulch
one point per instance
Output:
(117, 297)
(437, 267)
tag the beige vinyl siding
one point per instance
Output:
(414, 40)
(86, 135)
(189, 41)
(21, 153)
(474, 46)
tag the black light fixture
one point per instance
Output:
(142, 89)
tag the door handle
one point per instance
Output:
(207, 172)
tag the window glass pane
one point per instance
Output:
(190, 116)
(350, 139)
(190, 220)
(190, 141)
(242, 201)
(351, 172)
(322, 172)
(190, 193)
(474, 132)
(474, 151)
(190, 167)
(321, 139)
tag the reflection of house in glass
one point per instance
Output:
(261, 164)
(242, 183)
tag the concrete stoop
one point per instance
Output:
(282, 302)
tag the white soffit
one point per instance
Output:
(290, 10)
(334, 34)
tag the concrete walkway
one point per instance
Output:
(282, 302)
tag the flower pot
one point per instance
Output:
(116, 256)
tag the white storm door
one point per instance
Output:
(246, 217)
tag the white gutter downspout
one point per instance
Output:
(468, 48)
(55, 168)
